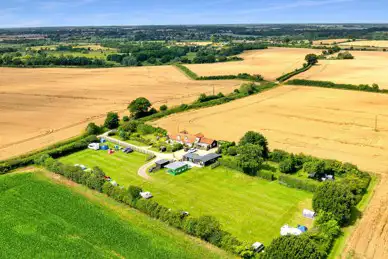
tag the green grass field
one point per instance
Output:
(248, 207)
(44, 219)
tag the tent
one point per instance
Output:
(308, 214)
(287, 230)
(302, 228)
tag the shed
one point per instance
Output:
(209, 159)
(161, 163)
(308, 214)
(192, 157)
(177, 168)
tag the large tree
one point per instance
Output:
(112, 120)
(250, 158)
(255, 138)
(139, 107)
(335, 198)
(311, 59)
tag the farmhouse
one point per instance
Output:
(197, 140)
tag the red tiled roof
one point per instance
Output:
(206, 141)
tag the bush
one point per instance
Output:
(294, 247)
(230, 163)
(163, 108)
(232, 151)
(266, 175)
(93, 129)
(125, 118)
(298, 183)
(176, 147)
(278, 155)
(288, 165)
(134, 192)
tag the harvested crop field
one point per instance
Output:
(329, 42)
(270, 63)
(367, 43)
(367, 68)
(326, 123)
(42, 106)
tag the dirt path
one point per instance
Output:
(370, 238)
(142, 172)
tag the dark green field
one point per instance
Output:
(43, 219)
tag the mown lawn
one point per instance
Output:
(43, 219)
(250, 208)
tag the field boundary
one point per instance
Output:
(327, 84)
(293, 73)
(242, 76)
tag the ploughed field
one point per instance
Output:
(368, 67)
(270, 63)
(249, 208)
(42, 106)
(74, 222)
(327, 123)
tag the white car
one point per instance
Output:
(192, 150)
(146, 195)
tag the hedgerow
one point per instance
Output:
(293, 73)
(302, 184)
(328, 84)
(55, 151)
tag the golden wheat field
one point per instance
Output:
(330, 41)
(42, 106)
(368, 67)
(325, 123)
(367, 43)
(270, 63)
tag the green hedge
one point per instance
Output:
(301, 184)
(55, 151)
(293, 73)
(187, 71)
(328, 84)
(266, 175)
(242, 76)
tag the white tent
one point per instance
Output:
(308, 214)
(287, 230)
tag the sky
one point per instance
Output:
(39, 13)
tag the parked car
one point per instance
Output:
(127, 150)
(192, 150)
(258, 247)
(152, 169)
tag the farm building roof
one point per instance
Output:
(187, 138)
(175, 165)
(206, 140)
(162, 162)
(208, 157)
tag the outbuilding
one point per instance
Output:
(201, 160)
(177, 168)
(161, 163)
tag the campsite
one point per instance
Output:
(201, 141)
(201, 191)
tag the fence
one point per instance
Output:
(125, 144)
